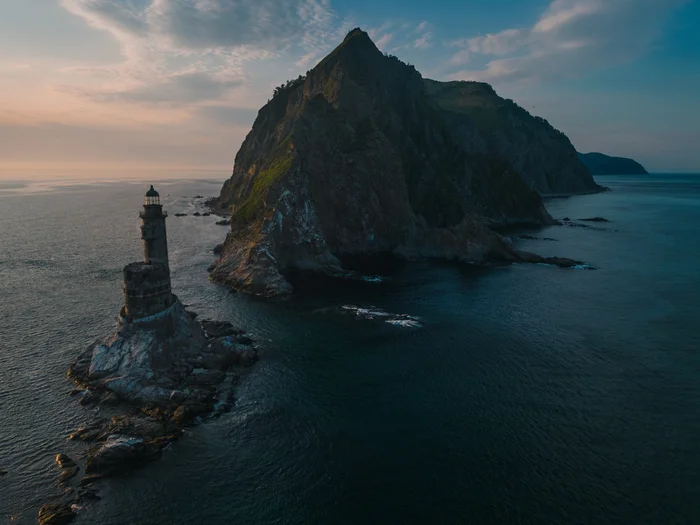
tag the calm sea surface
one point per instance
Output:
(530, 394)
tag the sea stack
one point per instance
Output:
(160, 356)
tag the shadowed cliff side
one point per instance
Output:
(355, 158)
(485, 123)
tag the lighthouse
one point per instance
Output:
(147, 291)
(155, 241)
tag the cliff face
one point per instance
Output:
(357, 158)
(485, 123)
(599, 164)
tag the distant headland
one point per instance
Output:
(600, 164)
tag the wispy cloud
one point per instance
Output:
(570, 37)
(193, 51)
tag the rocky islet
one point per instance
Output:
(365, 156)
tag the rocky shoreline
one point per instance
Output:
(149, 381)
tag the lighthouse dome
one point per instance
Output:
(152, 197)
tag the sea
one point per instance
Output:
(430, 393)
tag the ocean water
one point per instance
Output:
(516, 394)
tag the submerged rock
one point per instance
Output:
(55, 514)
(595, 219)
(562, 262)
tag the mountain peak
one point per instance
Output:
(357, 48)
(357, 33)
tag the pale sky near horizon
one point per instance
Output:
(126, 84)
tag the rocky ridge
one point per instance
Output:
(358, 158)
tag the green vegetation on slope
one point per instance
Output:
(254, 203)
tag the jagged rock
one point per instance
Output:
(180, 215)
(119, 454)
(237, 353)
(55, 514)
(3, 472)
(84, 434)
(89, 398)
(68, 468)
(140, 427)
(185, 414)
(214, 329)
(595, 219)
(562, 262)
(364, 156)
(206, 214)
(197, 214)
(218, 249)
(224, 222)
(533, 238)
(86, 494)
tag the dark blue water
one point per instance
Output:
(530, 394)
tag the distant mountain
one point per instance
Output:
(599, 164)
(483, 122)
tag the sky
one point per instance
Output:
(176, 84)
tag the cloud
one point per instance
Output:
(384, 40)
(424, 42)
(177, 90)
(402, 35)
(195, 51)
(228, 115)
(570, 38)
(206, 24)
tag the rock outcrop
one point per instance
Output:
(165, 363)
(359, 158)
(150, 379)
(55, 514)
(485, 123)
(599, 164)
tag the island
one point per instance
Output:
(600, 164)
(363, 156)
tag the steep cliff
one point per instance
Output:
(357, 158)
(599, 164)
(485, 123)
